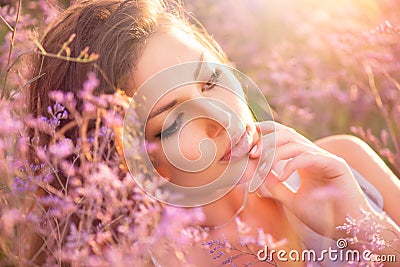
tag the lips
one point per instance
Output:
(241, 146)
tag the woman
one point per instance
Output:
(136, 40)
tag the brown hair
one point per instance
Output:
(114, 29)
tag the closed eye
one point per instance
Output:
(171, 129)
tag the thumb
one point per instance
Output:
(279, 190)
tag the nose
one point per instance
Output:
(219, 117)
(218, 112)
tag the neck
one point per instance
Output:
(252, 209)
(223, 211)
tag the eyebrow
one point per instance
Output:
(175, 101)
(163, 108)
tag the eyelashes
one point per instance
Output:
(171, 129)
(212, 81)
(178, 121)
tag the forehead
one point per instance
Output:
(154, 76)
(164, 50)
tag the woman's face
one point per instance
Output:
(218, 114)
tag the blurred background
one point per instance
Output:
(325, 67)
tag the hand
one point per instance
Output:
(328, 190)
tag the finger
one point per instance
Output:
(263, 167)
(282, 147)
(278, 138)
(268, 156)
(326, 166)
(292, 150)
(266, 126)
(278, 190)
(269, 126)
(281, 131)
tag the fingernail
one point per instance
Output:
(254, 149)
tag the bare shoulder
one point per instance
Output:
(356, 152)
(360, 156)
(342, 143)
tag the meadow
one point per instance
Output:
(325, 67)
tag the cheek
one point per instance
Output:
(189, 142)
(188, 149)
(244, 111)
(236, 103)
(159, 162)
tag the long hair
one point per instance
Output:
(116, 30)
